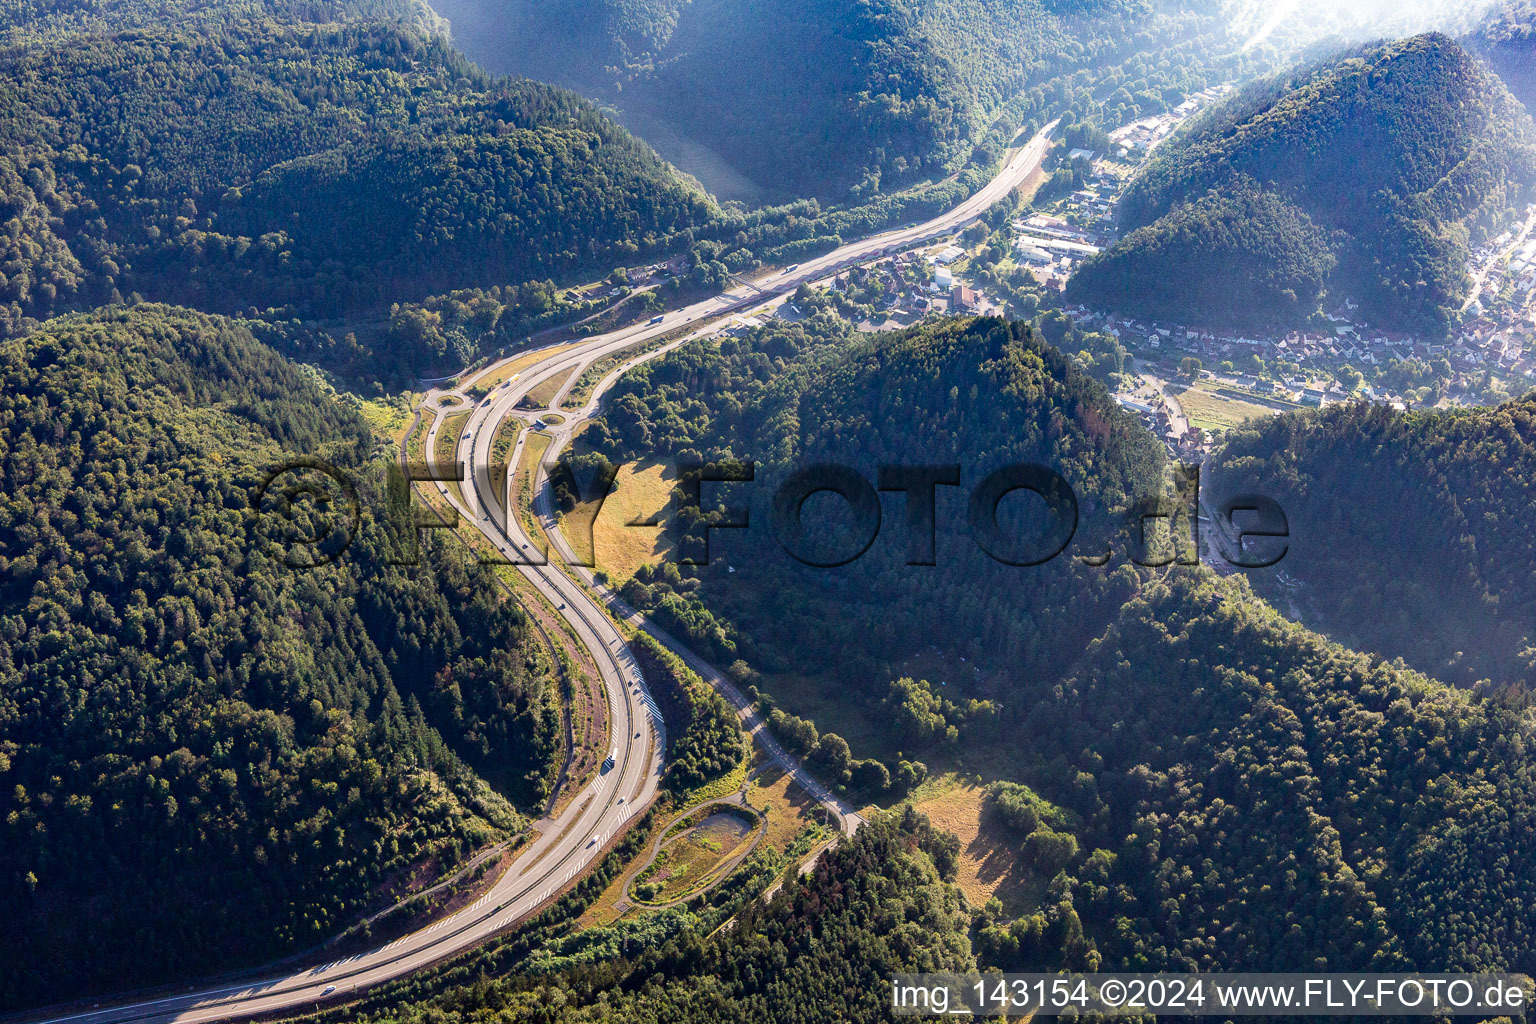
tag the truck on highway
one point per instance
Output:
(658, 319)
(613, 759)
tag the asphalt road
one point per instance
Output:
(568, 845)
(751, 721)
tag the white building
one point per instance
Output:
(948, 255)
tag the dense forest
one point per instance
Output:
(847, 99)
(1209, 787)
(1506, 39)
(219, 746)
(1406, 530)
(1254, 797)
(177, 702)
(1365, 175)
(980, 393)
(316, 171)
(31, 20)
(1224, 257)
(338, 174)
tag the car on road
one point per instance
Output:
(328, 990)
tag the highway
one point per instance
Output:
(751, 721)
(567, 846)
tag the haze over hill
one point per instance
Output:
(1435, 567)
(1301, 23)
(827, 98)
(1361, 177)
(1506, 39)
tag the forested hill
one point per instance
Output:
(1257, 798)
(1360, 177)
(1233, 792)
(981, 393)
(837, 99)
(177, 704)
(24, 20)
(1408, 530)
(316, 170)
(1507, 41)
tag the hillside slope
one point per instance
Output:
(1406, 529)
(306, 170)
(34, 20)
(1268, 800)
(981, 393)
(823, 98)
(209, 755)
(1364, 177)
(1507, 41)
(1240, 793)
